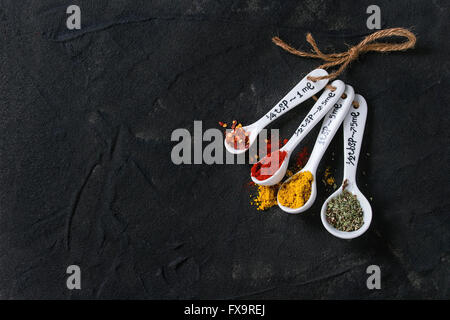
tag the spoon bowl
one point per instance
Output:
(311, 199)
(254, 130)
(277, 176)
(365, 205)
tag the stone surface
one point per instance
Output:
(86, 175)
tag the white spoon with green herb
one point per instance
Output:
(342, 211)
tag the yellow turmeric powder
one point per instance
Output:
(297, 191)
(266, 197)
(328, 178)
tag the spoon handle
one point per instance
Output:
(327, 99)
(304, 90)
(330, 125)
(354, 124)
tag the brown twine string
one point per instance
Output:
(344, 58)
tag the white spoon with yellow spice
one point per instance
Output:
(239, 139)
(298, 193)
(344, 215)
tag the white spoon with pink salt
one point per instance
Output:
(240, 139)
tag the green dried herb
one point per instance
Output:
(344, 212)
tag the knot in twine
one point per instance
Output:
(343, 59)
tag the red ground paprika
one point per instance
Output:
(266, 163)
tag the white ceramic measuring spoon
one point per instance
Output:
(354, 125)
(330, 125)
(326, 101)
(304, 90)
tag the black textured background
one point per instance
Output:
(86, 177)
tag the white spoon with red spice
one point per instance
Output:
(330, 125)
(268, 171)
(353, 125)
(240, 139)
